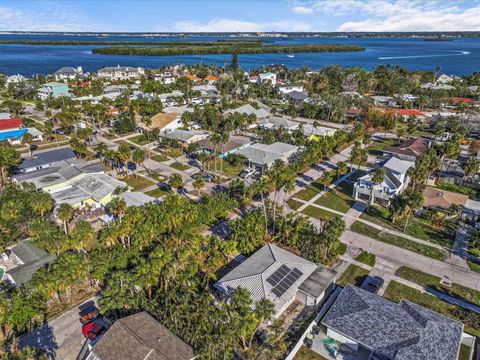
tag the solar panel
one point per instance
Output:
(278, 275)
(285, 282)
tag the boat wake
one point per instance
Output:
(456, 53)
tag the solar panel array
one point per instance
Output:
(283, 278)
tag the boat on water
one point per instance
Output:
(290, 55)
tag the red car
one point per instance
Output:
(95, 328)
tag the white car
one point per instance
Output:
(247, 173)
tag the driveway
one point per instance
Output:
(60, 337)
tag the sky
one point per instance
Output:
(237, 15)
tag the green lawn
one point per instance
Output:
(366, 258)
(313, 188)
(160, 158)
(354, 275)
(404, 243)
(474, 266)
(396, 292)
(307, 354)
(418, 228)
(294, 204)
(338, 199)
(179, 166)
(227, 169)
(470, 192)
(431, 281)
(156, 193)
(137, 183)
(464, 352)
(154, 175)
(140, 140)
(318, 213)
(377, 146)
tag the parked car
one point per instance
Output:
(96, 328)
(258, 196)
(164, 186)
(206, 176)
(245, 174)
(88, 314)
(374, 284)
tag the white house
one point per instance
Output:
(263, 156)
(288, 88)
(68, 73)
(272, 77)
(394, 182)
(15, 79)
(120, 72)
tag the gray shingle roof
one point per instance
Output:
(248, 110)
(252, 274)
(48, 157)
(318, 281)
(404, 331)
(261, 154)
(139, 337)
(67, 70)
(32, 257)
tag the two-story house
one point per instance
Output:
(53, 89)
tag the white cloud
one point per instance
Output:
(400, 15)
(47, 17)
(303, 10)
(231, 25)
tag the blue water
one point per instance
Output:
(461, 57)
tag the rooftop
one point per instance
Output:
(262, 154)
(404, 331)
(249, 110)
(136, 198)
(139, 337)
(442, 198)
(411, 147)
(48, 157)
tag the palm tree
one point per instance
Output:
(377, 179)
(65, 214)
(326, 179)
(118, 208)
(203, 157)
(138, 157)
(42, 202)
(27, 139)
(176, 181)
(413, 201)
(471, 167)
(198, 183)
(123, 154)
(101, 149)
(341, 169)
(9, 157)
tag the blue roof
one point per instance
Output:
(47, 158)
(12, 134)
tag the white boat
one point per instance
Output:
(291, 55)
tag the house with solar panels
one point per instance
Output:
(281, 277)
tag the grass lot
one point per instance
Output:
(140, 140)
(338, 199)
(294, 204)
(318, 213)
(366, 258)
(418, 228)
(41, 146)
(160, 158)
(313, 189)
(377, 146)
(431, 281)
(228, 170)
(404, 243)
(307, 354)
(154, 175)
(156, 193)
(473, 266)
(470, 192)
(396, 292)
(137, 183)
(179, 166)
(464, 352)
(354, 275)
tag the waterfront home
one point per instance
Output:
(210, 79)
(279, 276)
(367, 326)
(68, 73)
(394, 182)
(138, 337)
(12, 130)
(262, 156)
(431, 86)
(268, 76)
(15, 79)
(120, 73)
(53, 89)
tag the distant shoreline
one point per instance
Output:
(225, 48)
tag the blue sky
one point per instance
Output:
(236, 15)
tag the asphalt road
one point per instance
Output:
(60, 337)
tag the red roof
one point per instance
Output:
(7, 124)
(461, 99)
(409, 112)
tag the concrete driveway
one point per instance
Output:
(60, 337)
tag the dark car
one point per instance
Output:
(88, 314)
(374, 284)
(164, 186)
(258, 196)
(207, 177)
